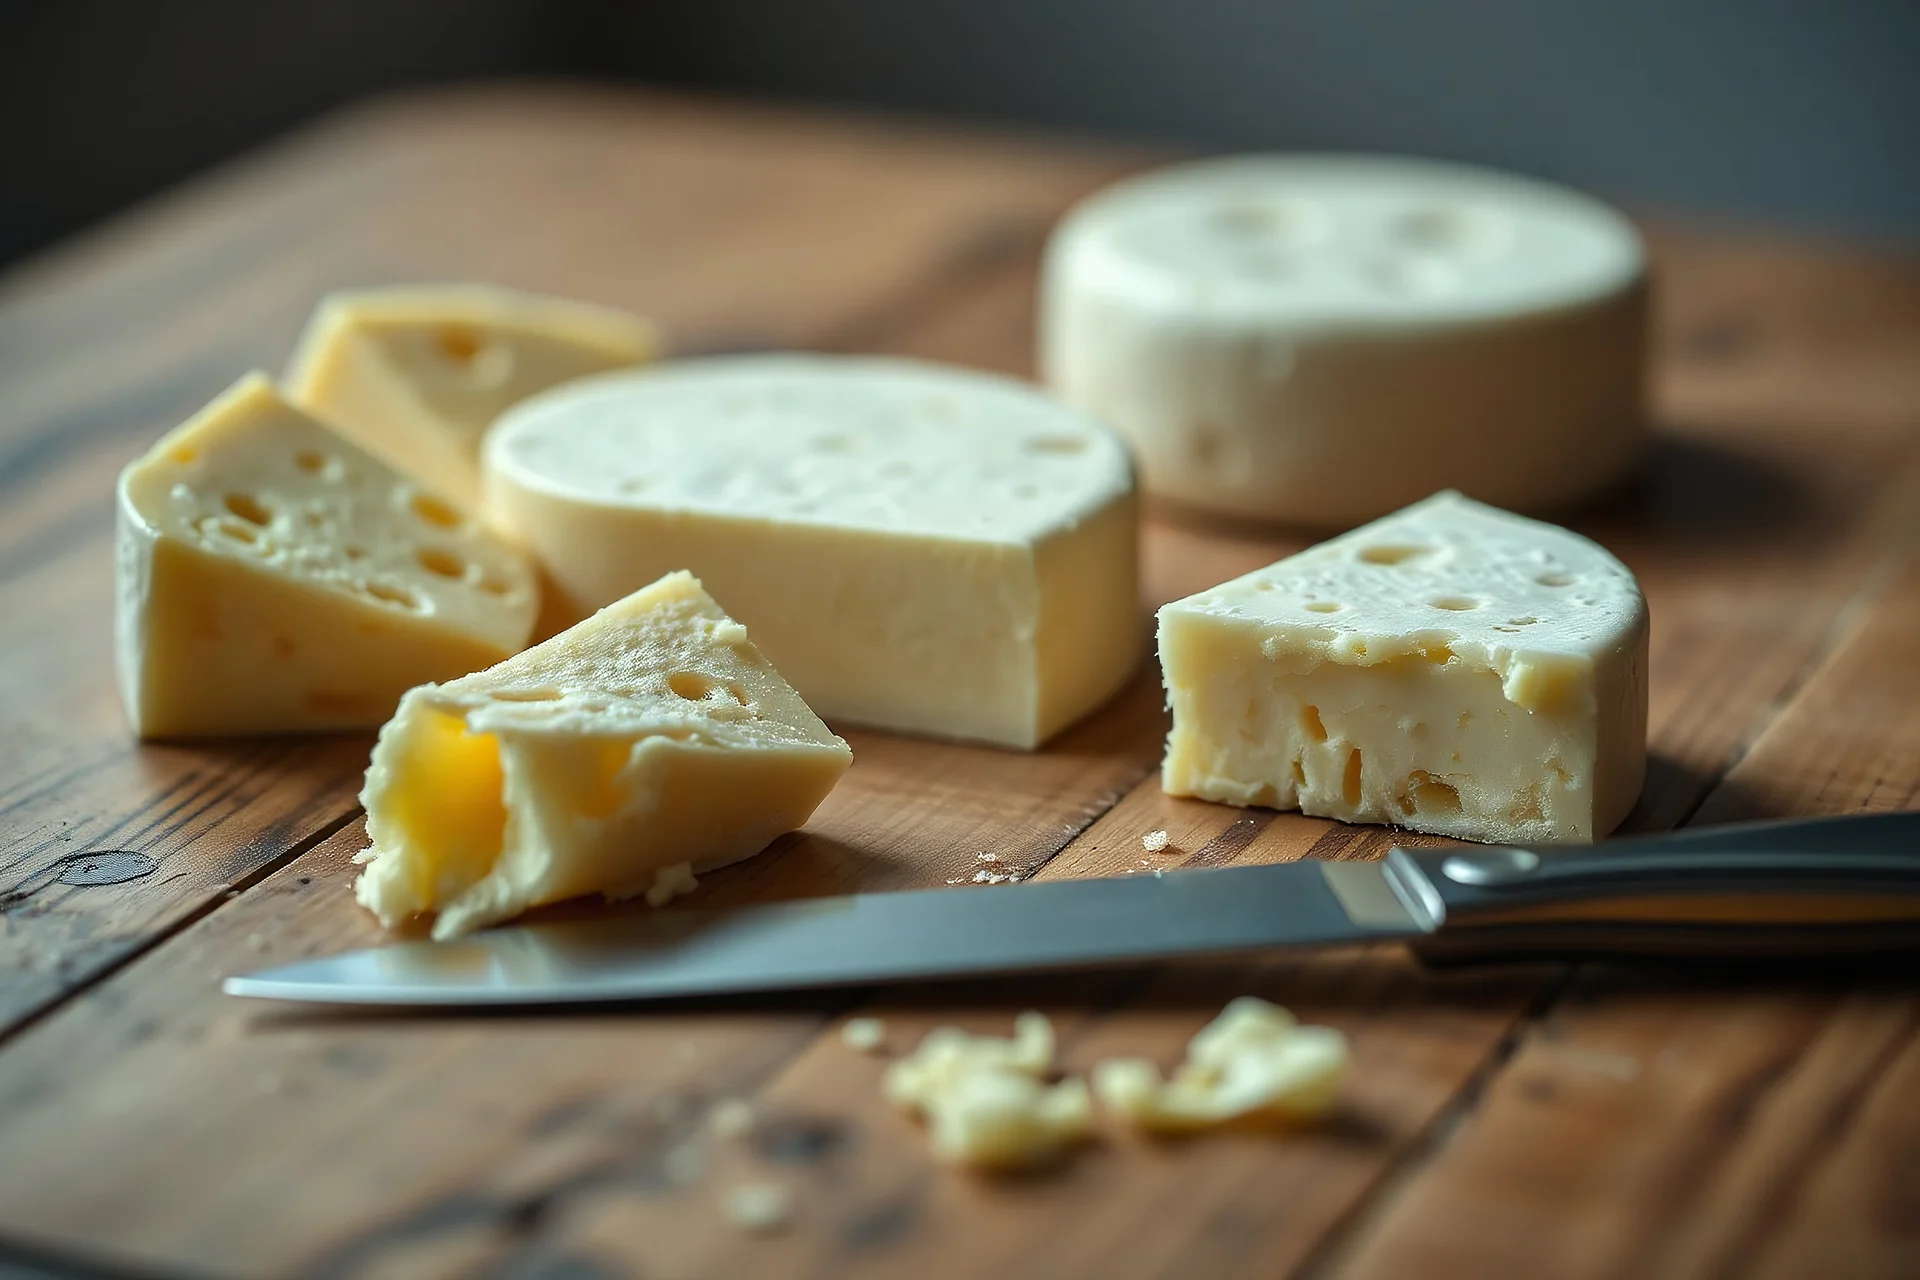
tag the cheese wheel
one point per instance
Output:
(915, 547)
(1319, 340)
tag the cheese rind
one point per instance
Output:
(415, 374)
(273, 578)
(1267, 329)
(617, 757)
(917, 548)
(1451, 668)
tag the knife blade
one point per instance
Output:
(1824, 885)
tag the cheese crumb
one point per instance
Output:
(989, 856)
(675, 881)
(1154, 841)
(865, 1035)
(987, 1102)
(759, 1207)
(1254, 1060)
(731, 1117)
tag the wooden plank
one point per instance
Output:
(566, 1169)
(1655, 1127)
(820, 226)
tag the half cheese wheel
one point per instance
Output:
(916, 548)
(1320, 340)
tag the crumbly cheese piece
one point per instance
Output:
(917, 548)
(1253, 1060)
(759, 1207)
(273, 578)
(417, 373)
(987, 1102)
(864, 1035)
(1155, 841)
(651, 737)
(1323, 339)
(1451, 668)
(731, 1118)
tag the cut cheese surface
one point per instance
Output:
(1451, 668)
(1265, 329)
(917, 548)
(274, 578)
(647, 742)
(416, 374)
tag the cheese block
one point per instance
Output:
(273, 578)
(649, 741)
(416, 374)
(917, 548)
(1323, 339)
(1451, 668)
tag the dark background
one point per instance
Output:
(1798, 113)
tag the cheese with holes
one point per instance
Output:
(1323, 339)
(1451, 668)
(917, 548)
(987, 1101)
(648, 742)
(1253, 1062)
(416, 374)
(273, 578)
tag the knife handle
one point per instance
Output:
(1846, 884)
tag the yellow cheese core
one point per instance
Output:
(616, 758)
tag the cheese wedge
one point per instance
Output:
(1451, 668)
(649, 741)
(273, 578)
(416, 374)
(917, 548)
(1323, 339)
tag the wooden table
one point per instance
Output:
(1545, 1121)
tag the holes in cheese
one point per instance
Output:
(917, 548)
(1422, 703)
(416, 374)
(603, 760)
(272, 580)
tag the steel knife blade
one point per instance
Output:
(1811, 885)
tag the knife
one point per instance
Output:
(1816, 886)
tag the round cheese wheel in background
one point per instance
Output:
(1319, 340)
(914, 547)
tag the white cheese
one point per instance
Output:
(1322, 339)
(652, 736)
(273, 578)
(916, 548)
(864, 1035)
(1253, 1061)
(1451, 668)
(416, 374)
(759, 1207)
(987, 1102)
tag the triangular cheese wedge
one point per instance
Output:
(416, 374)
(1450, 668)
(274, 578)
(649, 741)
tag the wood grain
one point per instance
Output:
(821, 228)
(1620, 1123)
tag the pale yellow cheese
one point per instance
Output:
(1252, 1062)
(987, 1102)
(1450, 668)
(649, 741)
(274, 578)
(417, 373)
(918, 548)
